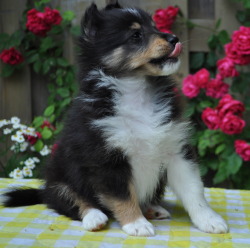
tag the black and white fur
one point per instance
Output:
(124, 138)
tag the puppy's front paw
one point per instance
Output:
(210, 222)
(94, 220)
(156, 212)
(140, 227)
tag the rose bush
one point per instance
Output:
(39, 46)
(222, 131)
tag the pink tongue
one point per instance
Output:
(177, 50)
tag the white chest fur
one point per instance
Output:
(136, 129)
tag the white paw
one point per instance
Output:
(210, 222)
(140, 227)
(157, 212)
(94, 220)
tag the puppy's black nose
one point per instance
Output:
(173, 39)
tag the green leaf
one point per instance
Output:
(221, 174)
(220, 149)
(49, 110)
(7, 70)
(211, 59)
(213, 42)
(37, 66)
(75, 30)
(63, 92)
(203, 170)
(246, 4)
(33, 58)
(39, 145)
(190, 24)
(218, 23)
(234, 163)
(224, 37)
(196, 60)
(4, 38)
(68, 15)
(52, 118)
(56, 29)
(62, 62)
(46, 44)
(16, 38)
(46, 133)
(38, 121)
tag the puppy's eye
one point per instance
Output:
(137, 35)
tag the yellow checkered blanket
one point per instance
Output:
(38, 226)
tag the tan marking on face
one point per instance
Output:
(135, 25)
(158, 47)
(125, 211)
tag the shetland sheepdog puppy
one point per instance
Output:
(124, 138)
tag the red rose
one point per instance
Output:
(216, 88)
(229, 105)
(164, 18)
(233, 54)
(202, 77)
(40, 23)
(226, 68)
(189, 88)
(11, 56)
(242, 148)
(36, 24)
(232, 124)
(52, 16)
(211, 118)
(32, 139)
(241, 40)
(47, 124)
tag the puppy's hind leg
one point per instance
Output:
(184, 179)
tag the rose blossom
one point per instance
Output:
(202, 77)
(241, 40)
(242, 148)
(164, 18)
(232, 124)
(11, 56)
(52, 16)
(36, 24)
(211, 118)
(229, 105)
(189, 88)
(216, 88)
(40, 23)
(232, 53)
(226, 68)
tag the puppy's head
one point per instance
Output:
(125, 40)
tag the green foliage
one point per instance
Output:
(44, 55)
(216, 149)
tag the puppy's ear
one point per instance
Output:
(113, 5)
(90, 21)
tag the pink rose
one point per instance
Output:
(11, 56)
(241, 40)
(233, 53)
(226, 68)
(40, 23)
(52, 16)
(229, 105)
(232, 124)
(216, 88)
(202, 77)
(189, 88)
(242, 148)
(164, 18)
(211, 118)
(36, 24)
